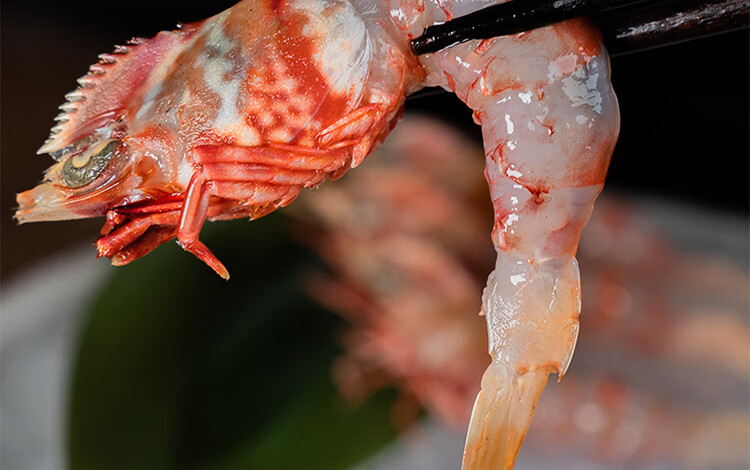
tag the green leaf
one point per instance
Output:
(180, 369)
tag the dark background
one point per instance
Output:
(684, 109)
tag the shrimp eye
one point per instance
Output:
(80, 170)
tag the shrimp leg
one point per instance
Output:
(134, 231)
(255, 176)
(192, 217)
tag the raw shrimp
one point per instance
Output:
(233, 116)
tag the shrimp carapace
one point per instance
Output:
(233, 116)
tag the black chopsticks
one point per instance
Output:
(627, 25)
(672, 22)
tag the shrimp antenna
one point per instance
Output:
(627, 25)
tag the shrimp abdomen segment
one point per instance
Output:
(549, 295)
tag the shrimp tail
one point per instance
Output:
(502, 414)
(522, 303)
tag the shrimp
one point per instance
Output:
(233, 116)
(230, 117)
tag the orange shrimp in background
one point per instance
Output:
(233, 116)
(621, 406)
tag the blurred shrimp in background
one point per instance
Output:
(160, 365)
(406, 239)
